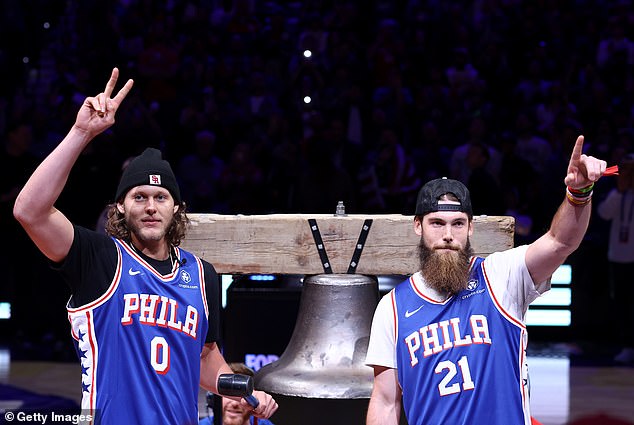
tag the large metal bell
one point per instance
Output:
(321, 376)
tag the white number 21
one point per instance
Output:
(467, 383)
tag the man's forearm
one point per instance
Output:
(566, 232)
(381, 414)
(569, 225)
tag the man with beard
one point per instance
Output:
(449, 343)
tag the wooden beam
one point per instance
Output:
(284, 244)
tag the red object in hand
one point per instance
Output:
(612, 171)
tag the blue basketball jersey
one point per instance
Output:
(128, 338)
(460, 361)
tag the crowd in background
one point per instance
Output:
(490, 92)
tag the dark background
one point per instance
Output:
(491, 92)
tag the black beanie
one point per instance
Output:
(149, 168)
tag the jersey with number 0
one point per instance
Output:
(132, 341)
(460, 361)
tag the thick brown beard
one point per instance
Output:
(446, 272)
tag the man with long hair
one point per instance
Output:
(144, 313)
(449, 343)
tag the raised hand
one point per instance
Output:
(583, 170)
(97, 113)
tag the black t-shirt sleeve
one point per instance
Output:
(212, 290)
(89, 267)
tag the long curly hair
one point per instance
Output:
(116, 225)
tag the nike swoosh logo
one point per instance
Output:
(411, 313)
(133, 272)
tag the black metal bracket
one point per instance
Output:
(321, 249)
(352, 268)
(320, 245)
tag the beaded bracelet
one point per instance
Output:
(579, 197)
(581, 192)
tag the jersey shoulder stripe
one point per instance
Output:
(106, 296)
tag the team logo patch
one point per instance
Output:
(472, 285)
(155, 179)
(185, 277)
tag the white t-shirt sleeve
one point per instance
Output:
(511, 282)
(382, 348)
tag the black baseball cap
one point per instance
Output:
(429, 194)
(149, 168)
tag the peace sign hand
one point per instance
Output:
(97, 113)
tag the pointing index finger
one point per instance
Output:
(577, 150)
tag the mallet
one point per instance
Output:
(237, 385)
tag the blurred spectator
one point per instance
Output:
(260, 103)
(345, 153)
(477, 134)
(312, 43)
(284, 166)
(242, 19)
(242, 182)
(394, 99)
(484, 187)
(555, 105)
(493, 66)
(323, 182)
(430, 153)
(199, 173)
(615, 54)
(100, 226)
(158, 62)
(432, 98)
(354, 112)
(461, 74)
(397, 177)
(530, 145)
(386, 51)
(532, 85)
(22, 265)
(618, 208)
(523, 222)
(17, 164)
